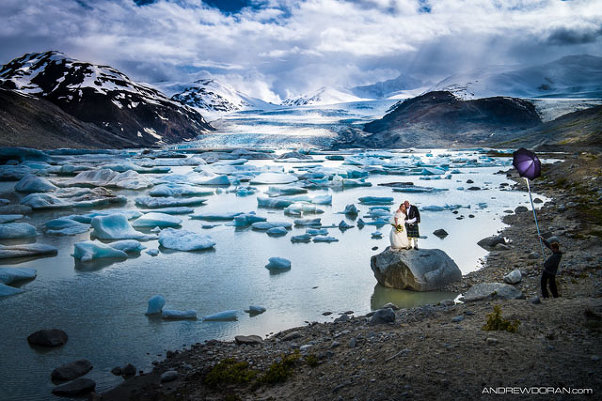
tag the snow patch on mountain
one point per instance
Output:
(322, 96)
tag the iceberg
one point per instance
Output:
(275, 203)
(245, 191)
(377, 235)
(255, 310)
(8, 218)
(277, 263)
(308, 222)
(44, 201)
(216, 216)
(153, 252)
(170, 314)
(376, 200)
(125, 167)
(265, 225)
(351, 210)
(225, 315)
(155, 305)
(217, 180)
(92, 178)
(301, 238)
(418, 189)
(322, 200)
(277, 231)
(89, 250)
(65, 226)
(116, 226)
(247, 219)
(324, 238)
(155, 219)
(13, 173)
(9, 275)
(6, 290)
(183, 240)
(314, 231)
(286, 190)
(26, 250)
(274, 178)
(300, 208)
(32, 183)
(155, 202)
(129, 180)
(179, 190)
(343, 225)
(17, 230)
(128, 246)
(175, 210)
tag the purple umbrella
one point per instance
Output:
(527, 163)
(529, 167)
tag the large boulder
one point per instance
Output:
(418, 270)
(71, 370)
(492, 291)
(48, 338)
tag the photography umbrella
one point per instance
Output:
(529, 167)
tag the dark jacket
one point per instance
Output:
(551, 264)
(413, 212)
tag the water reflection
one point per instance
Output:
(405, 298)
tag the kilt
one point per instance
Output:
(412, 230)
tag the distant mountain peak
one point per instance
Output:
(322, 96)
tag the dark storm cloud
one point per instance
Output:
(568, 36)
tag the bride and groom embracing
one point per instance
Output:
(404, 233)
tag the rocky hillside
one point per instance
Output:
(443, 120)
(103, 96)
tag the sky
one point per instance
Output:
(273, 49)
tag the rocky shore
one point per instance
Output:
(437, 351)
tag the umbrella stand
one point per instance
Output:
(535, 217)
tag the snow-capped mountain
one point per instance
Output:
(391, 88)
(322, 96)
(103, 96)
(575, 77)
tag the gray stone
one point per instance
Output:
(251, 340)
(353, 343)
(390, 305)
(71, 370)
(441, 233)
(533, 255)
(490, 242)
(76, 387)
(116, 371)
(383, 316)
(491, 291)
(457, 319)
(418, 270)
(501, 247)
(513, 277)
(491, 341)
(129, 370)
(291, 336)
(169, 376)
(521, 209)
(48, 338)
(535, 300)
(342, 318)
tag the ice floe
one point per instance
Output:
(278, 263)
(277, 232)
(266, 225)
(151, 202)
(323, 238)
(255, 310)
(26, 250)
(308, 222)
(90, 250)
(10, 275)
(33, 183)
(7, 218)
(17, 231)
(301, 238)
(247, 219)
(65, 226)
(301, 208)
(177, 190)
(376, 200)
(216, 216)
(115, 227)
(222, 316)
(170, 314)
(274, 178)
(155, 219)
(7, 290)
(155, 305)
(183, 240)
(128, 246)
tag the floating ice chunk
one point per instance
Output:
(125, 167)
(323, 238)
(432, 171)
(314, 231)
(301, 238)
(170, 314)
(44, 201)
(6, 290)
(343, 225)
(9, 275)
(379, 222)
(153, 252)
(377, 235)
(277, 231)
(265, 225)
(88, 250)
(247, 219)
(275, 203)
(93, 178)
(308, 222)
(65, 226)
(26, 250)
(155, 305)
(351, 210)
(17, 230)
(216, 216)
(437, 208)
(278, 263)
(33, 183)
(482, 205)
(116, 226)
(245, 191)
(129, 180)
(217, 180)
(128, 246)
(154, 219)
(225, 315)
(255, 310)
(13, 173)
(322, 200)
(183, 240)
(274, 178)
(376, 200)
(300, 208)
(4, 202)
(7, 218)
(174, 210)
(286, 190)
(155, 203)
(176, 189)
(418, 189)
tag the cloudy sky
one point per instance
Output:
(277, 48)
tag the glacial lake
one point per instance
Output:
(102, 305)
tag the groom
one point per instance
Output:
(412, 224)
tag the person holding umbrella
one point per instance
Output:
(550, 268)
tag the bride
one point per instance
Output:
(399, 236)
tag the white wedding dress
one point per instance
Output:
(399, 240)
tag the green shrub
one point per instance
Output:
(230, 371)
(495, 321)
(312, 360)
(278, 372)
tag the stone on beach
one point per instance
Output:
(491, 291)
(170, 314)
(33, 183)
(514, 277)
(115, 227)
(155, 305)
(48, 338)
(183, 240)
(489, 243)
(248, 340)
(278, 263)
(441, 233)
(17, 231)
(88, 250)
(418, 270)
(71, 370)
(155, 219)
(221, 316)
